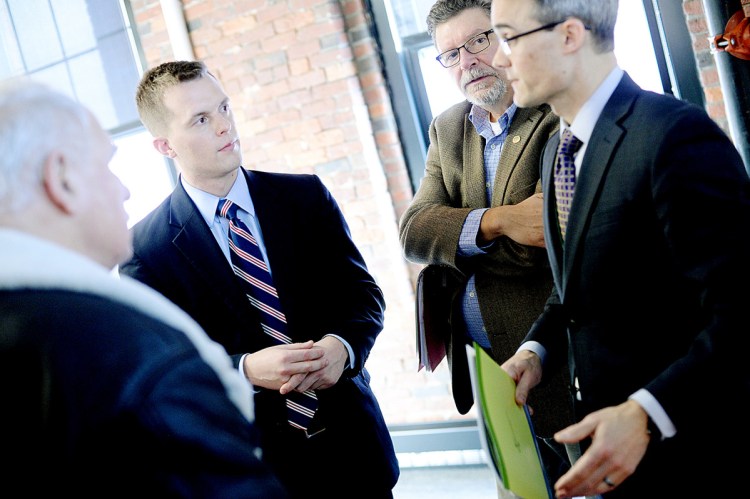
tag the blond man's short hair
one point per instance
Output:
(149, 97)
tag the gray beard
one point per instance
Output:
(488, 96)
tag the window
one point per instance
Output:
(85, 49)
(144, 172)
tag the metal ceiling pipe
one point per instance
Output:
(177, 30)
(734, 77)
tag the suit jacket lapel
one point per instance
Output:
(598, 157)
(474, 191)
(519, 134)
(196, 242)
(551, 228)
(275, 225)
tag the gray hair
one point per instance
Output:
(36, 121)
(599, 16)
(445, 10)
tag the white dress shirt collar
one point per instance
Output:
(584, 122)
(207, 203)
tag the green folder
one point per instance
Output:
(506, 428)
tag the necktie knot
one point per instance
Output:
(227, 209)
(569, 144)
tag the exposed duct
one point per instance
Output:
(734, 75)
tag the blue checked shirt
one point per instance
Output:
(467, 244)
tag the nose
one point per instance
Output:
(125, 192)
(468, 59)
(500, 60)
(224, 125)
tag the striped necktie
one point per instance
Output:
(249, 266)
(565, 177)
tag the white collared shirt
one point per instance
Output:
(585, 121)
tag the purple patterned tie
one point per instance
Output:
(565, 177)
(249, 266)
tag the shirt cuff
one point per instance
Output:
(348, 348)
(467, 241)
(535, 347)
(656, 412)
(241, 369)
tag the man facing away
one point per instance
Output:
(108, 389)
(647, 224)
(478, 211)
(265, 263)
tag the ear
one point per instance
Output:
(162, 145)
(57, 185)
(575, 34)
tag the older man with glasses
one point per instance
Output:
(477, 213)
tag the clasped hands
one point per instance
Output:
(297, 366)
(619, 436)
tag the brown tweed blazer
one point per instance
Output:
(513, 281)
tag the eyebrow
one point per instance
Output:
(501, 26)
(466, 40)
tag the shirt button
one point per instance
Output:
(492, 147)
(471, 294)
(488, 185)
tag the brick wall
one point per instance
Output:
(307, 87)
(695, 18)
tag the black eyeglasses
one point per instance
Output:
(505, 42)
(474, 45)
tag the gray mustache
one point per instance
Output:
(474, 74)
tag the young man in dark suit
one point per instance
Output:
(332, 306)
(108, 389)
(650, 261)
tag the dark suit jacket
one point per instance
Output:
(100, 399)
(652, 283)
(324, 287)
(512, 280)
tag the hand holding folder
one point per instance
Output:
(506, 430)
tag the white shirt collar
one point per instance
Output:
(207, 203)
(584, 122)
